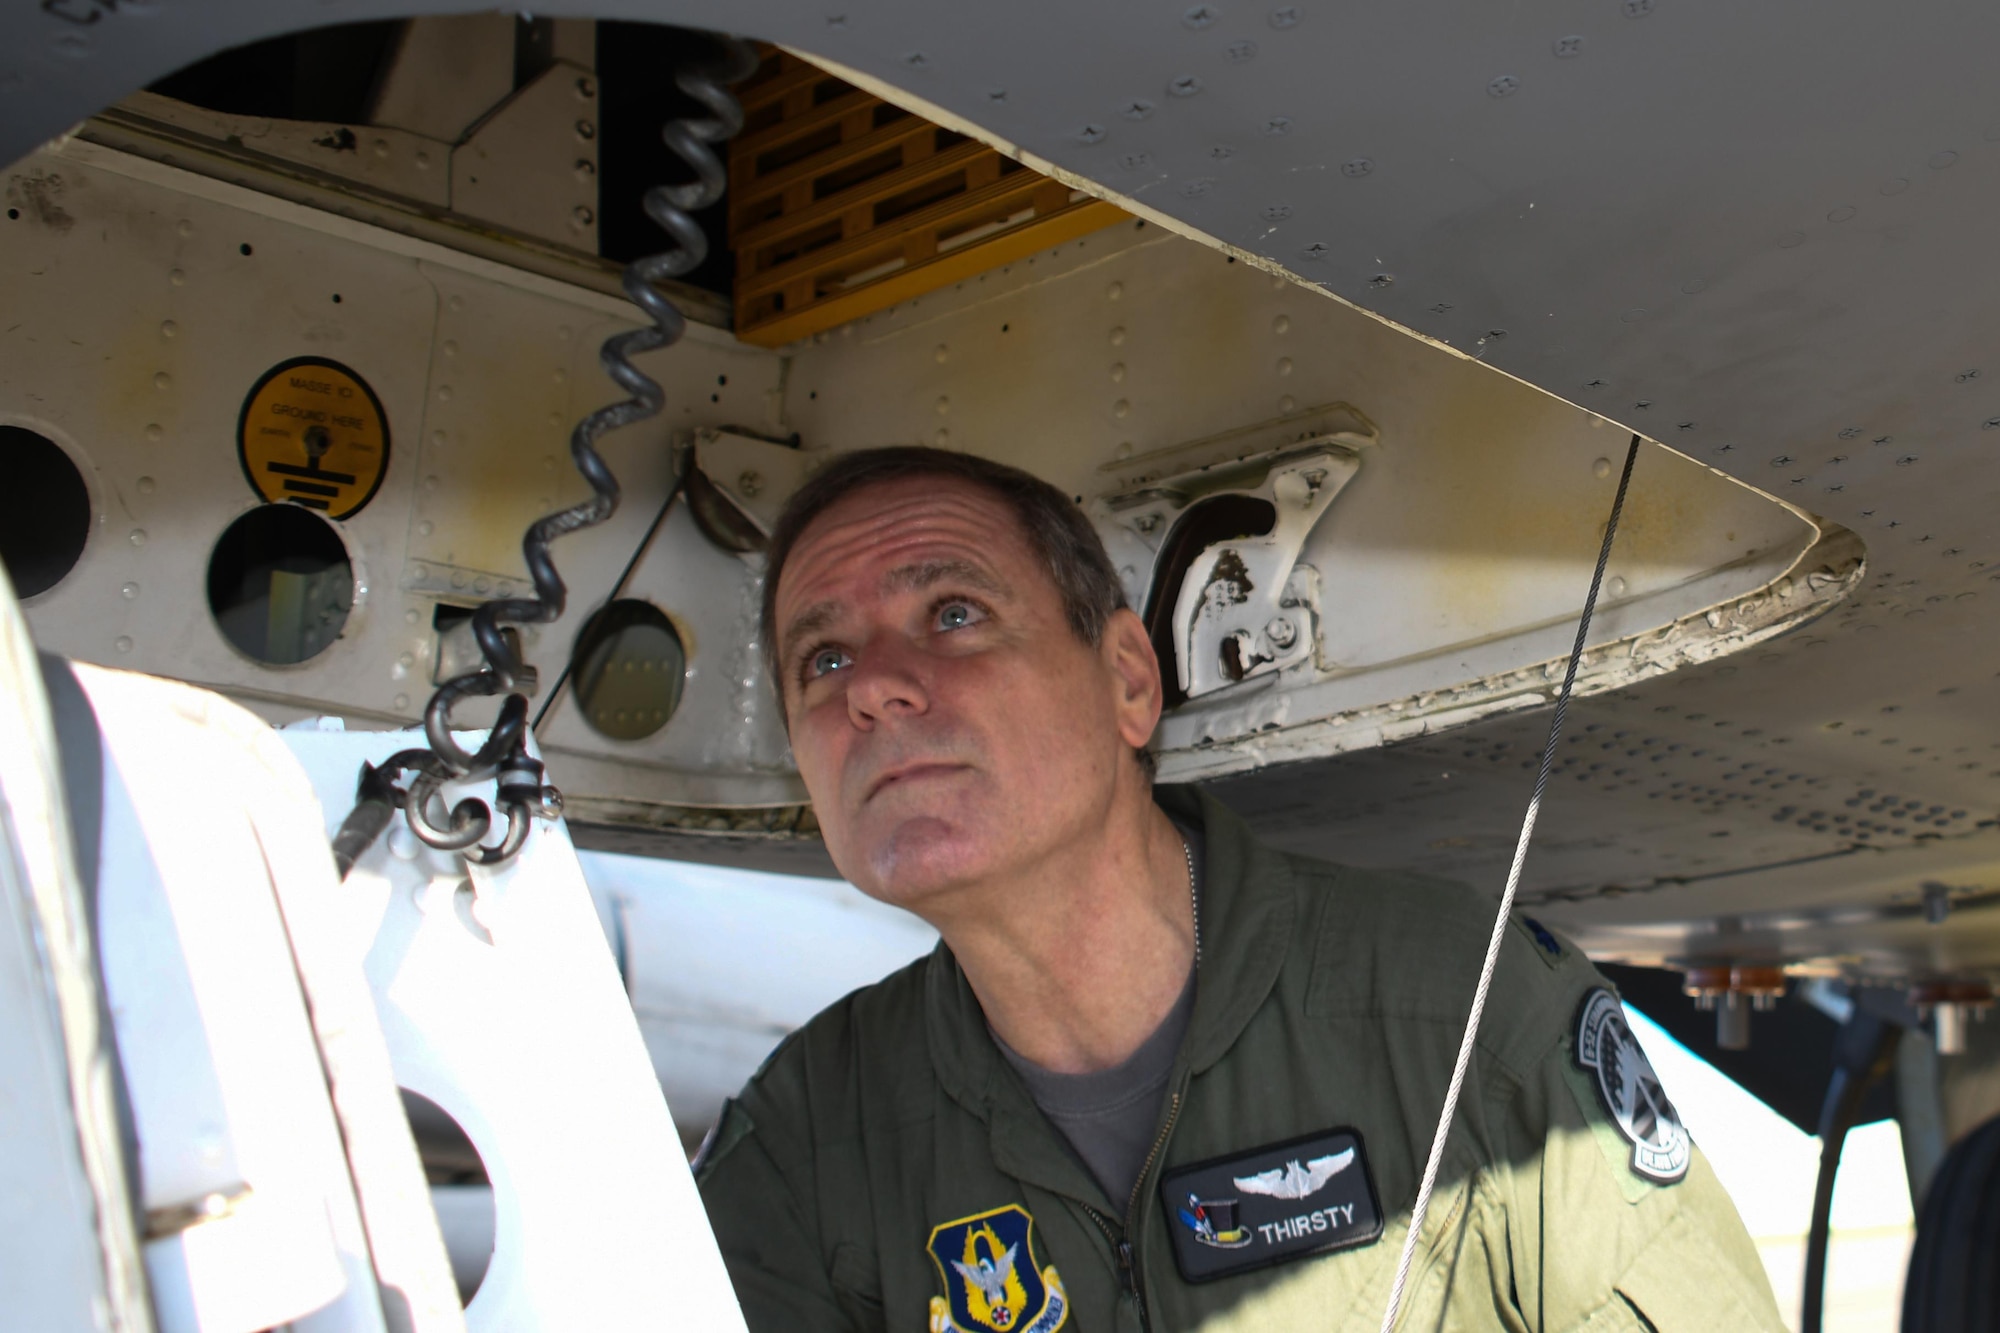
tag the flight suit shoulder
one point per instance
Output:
(861, 1061)
(1395, 945)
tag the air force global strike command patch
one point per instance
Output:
(1630, 1090)
(991, 1281)
(1231, 1214)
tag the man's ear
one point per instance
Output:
(1128, 650)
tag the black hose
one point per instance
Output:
(1864, 1052)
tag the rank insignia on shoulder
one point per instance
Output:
(1630, 1090)
(992, 1283)
(1545, 940)
(1263, 1206)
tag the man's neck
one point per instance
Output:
(1078, 958)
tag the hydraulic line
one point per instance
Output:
(504, 755)
(1465, 1046)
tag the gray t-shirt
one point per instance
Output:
(1110, 1115)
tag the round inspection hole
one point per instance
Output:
(629, 668)
(44, 511)
(461, 1191)
(280, 584)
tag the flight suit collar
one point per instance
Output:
(1248, 905)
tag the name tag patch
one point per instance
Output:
(1283, 1201)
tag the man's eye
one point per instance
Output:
(957, 615)
(825, 662)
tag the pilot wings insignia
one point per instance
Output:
(1292, 1181)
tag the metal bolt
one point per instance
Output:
(1356, 167)
(1638, 9)
(1504, 86)
(1937, 903)
(582, 216)
(1138, 108)
(1277, 212)
(1565, 47)
(1201, 16)
(586, 130)
(1090, 134)
(1187, 85)
(1135, 161)
(1278, 125)
(1732, 1023)
(1286, 16)
(586, 87)
(1948, 1026)
(1282, 633)
(1241, 51)
(1314, 252)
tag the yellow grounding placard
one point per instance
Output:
(314, 433)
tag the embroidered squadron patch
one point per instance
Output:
(1266, 1205)
(991, 1281)
(1630, 1090)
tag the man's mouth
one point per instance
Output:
(909, 773)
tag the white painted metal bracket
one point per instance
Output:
(280, 1184)
(501, 1003)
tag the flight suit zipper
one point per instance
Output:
(1119, 1237)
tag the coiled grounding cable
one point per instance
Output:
(504, 755)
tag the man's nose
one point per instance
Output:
(887, 683)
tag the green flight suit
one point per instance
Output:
(1326, 997)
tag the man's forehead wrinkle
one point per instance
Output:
(957, 531)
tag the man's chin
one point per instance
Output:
(920, 858)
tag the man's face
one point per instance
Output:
(948, 722)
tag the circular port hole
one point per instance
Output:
(629, 668)
(44, 511)
(461, 1191)
(280, 584)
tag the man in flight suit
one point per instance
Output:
(1156, 1076)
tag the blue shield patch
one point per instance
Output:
(993, 1282)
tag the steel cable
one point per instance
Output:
(1422, 1207)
